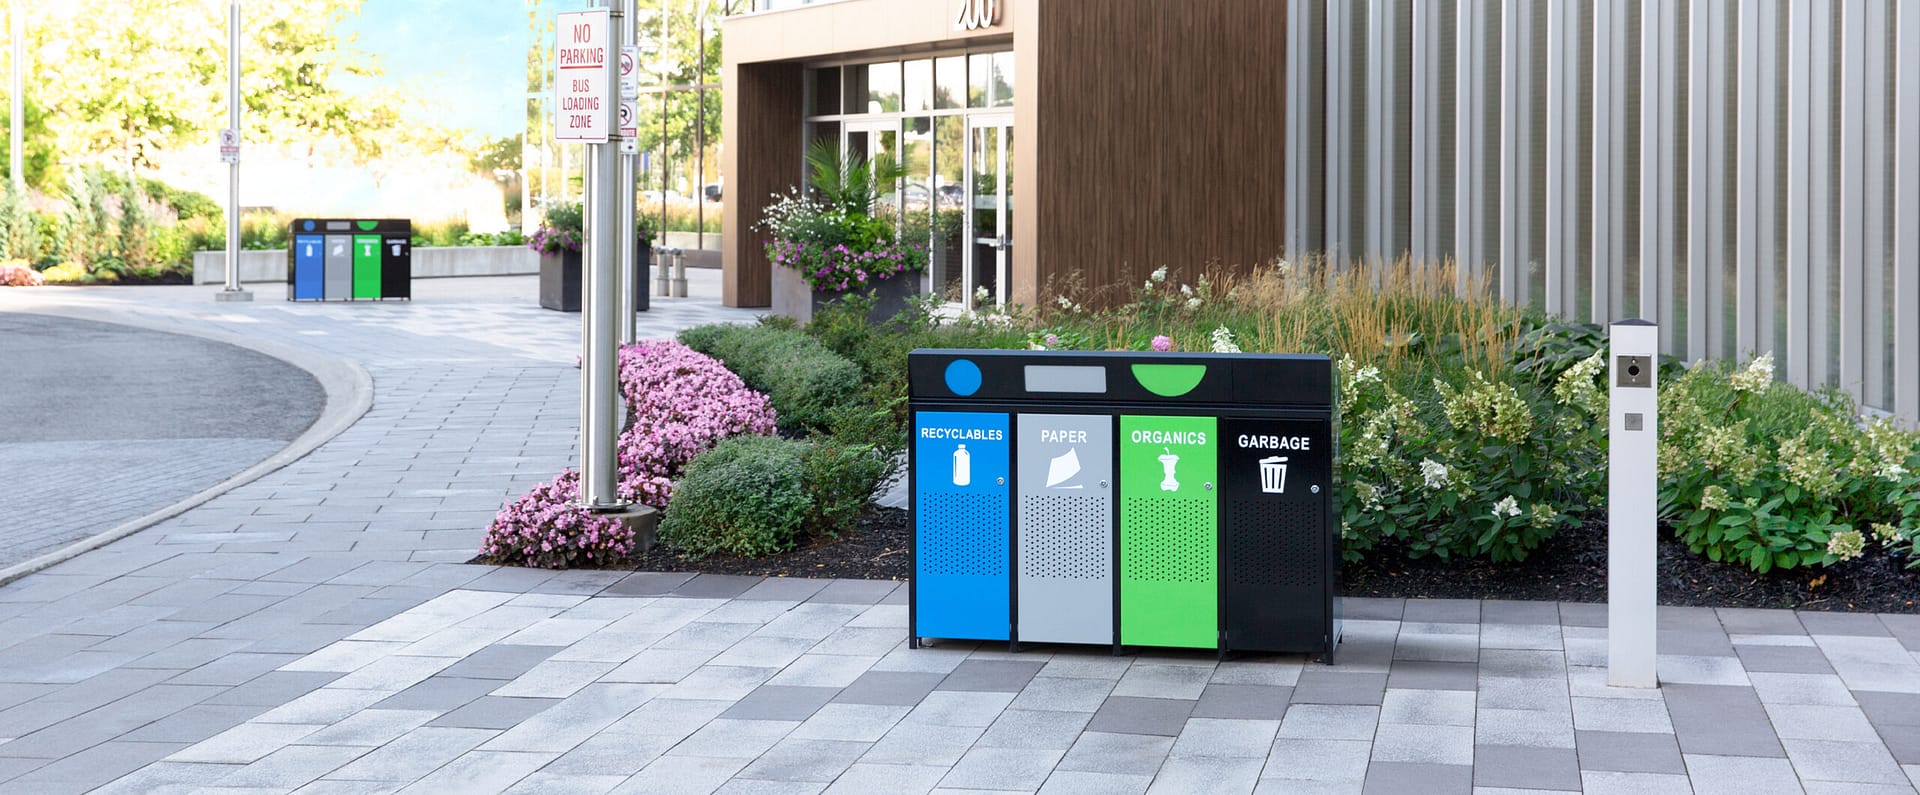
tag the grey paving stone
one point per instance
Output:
(713, 586)
(783, 589)
(1720, 721)
(1523, 663)
(1107, 752)
(1849, 624)
(853, 722)
(244, 743)
(370, 727)
(1432, 675)
(923, 744)
(1502, 611)
(481, 771)
(897, 688)
(1130, 715)
(1297, 759)
(291, 767)
(1583, 614)
(1890, 709)
(1621, 715)
(492, 712)
(1838, 760)
(1599, 782)
(1827, 689)
(1428, 707)
(855, 592)
(500, 661)
(1740, 775)
(1023, 728)
(860, 641)
(1440, 745)
(1746, 621)
(91, 767)
(1387, 778)
(1534, 728)
(1334, 687)
(1226, 738)
(1002, 769)
(648, 583)
(1694, 642)
(1059, 693)
(1905, 628)
(1783, 659)
(193, 724)
(735, 739)
(1080, 782)
(806, 760)
(759, 652)
(669, 775)
(1330, 722)
(865, 777)
(1461, 611)
(1525, 767)
(1902, 742)
(1821, 722)
(773, 702)
(440, 694)
(1629, 752)
(1154, 679)
(1261, 702)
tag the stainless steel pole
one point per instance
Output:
(630, 280)
(233, 291)
(599, 405)
(16, 95)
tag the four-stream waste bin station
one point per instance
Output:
(1124, 499)
(337, 259)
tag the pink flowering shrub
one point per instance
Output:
(545, 528)
(17, 274)
(682, 403)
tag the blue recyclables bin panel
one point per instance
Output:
(961, 555)
(309, 267)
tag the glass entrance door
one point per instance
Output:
(873, 140)
(989, 229)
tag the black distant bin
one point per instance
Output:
(1155, 499)
(341, 259)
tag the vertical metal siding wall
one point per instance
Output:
(1744, 172)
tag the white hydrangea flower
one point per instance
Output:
(1506, 507)
(1435, 474)
(1223, 341)
(1159, 275)
(1756, 375)
(1193, 303)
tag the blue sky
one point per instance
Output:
(468, 57)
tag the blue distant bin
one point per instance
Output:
(341, 259)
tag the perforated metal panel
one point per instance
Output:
(961, 526)
(1065, 532)
(1276, 544)
(1169, 532)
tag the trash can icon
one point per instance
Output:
(1273, 475)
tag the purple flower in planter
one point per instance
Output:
(1162, 343)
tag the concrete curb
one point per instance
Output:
(349, 391)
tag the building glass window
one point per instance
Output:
(917, 87)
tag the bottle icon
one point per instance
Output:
(962, 466)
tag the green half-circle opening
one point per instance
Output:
(1169, 380)
(367, 226)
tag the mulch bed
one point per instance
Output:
(1569, 568)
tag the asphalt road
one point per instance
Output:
(102, 423)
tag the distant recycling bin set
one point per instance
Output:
(340, 259)
(1124, 499)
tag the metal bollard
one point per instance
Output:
(1633, 486)
(679, 273)
(660, 282)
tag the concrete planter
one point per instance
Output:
(890, 297)
(560, 280)
(210, 267)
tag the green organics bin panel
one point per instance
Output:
(1169, 531)
(366, 266)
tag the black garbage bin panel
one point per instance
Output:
(1278, 538)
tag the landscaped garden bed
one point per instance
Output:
(1472, 448)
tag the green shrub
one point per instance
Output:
(807, 383)
(840, 480)
(747, 496)
(1760, 473)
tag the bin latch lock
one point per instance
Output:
(1208, 486)
(999, 481)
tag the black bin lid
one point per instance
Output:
(1113, 377)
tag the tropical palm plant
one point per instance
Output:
(846, 181)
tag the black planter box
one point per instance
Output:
(560, 280)
(889, 299)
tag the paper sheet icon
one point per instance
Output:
(1064, 467)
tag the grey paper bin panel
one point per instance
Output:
(339, 261)
(1064, 537)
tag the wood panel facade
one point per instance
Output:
(1146, 132)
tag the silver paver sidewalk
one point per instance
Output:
(315, 631)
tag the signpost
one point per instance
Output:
(229, 141)
(585, 56)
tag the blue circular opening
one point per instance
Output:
(309, 226)
(963, 377)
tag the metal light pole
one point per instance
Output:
(233, 291)
(18, 177)
(599, 404)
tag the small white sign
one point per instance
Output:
(629, 72)
(229, 146)
(581, 61)
(629, 118)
